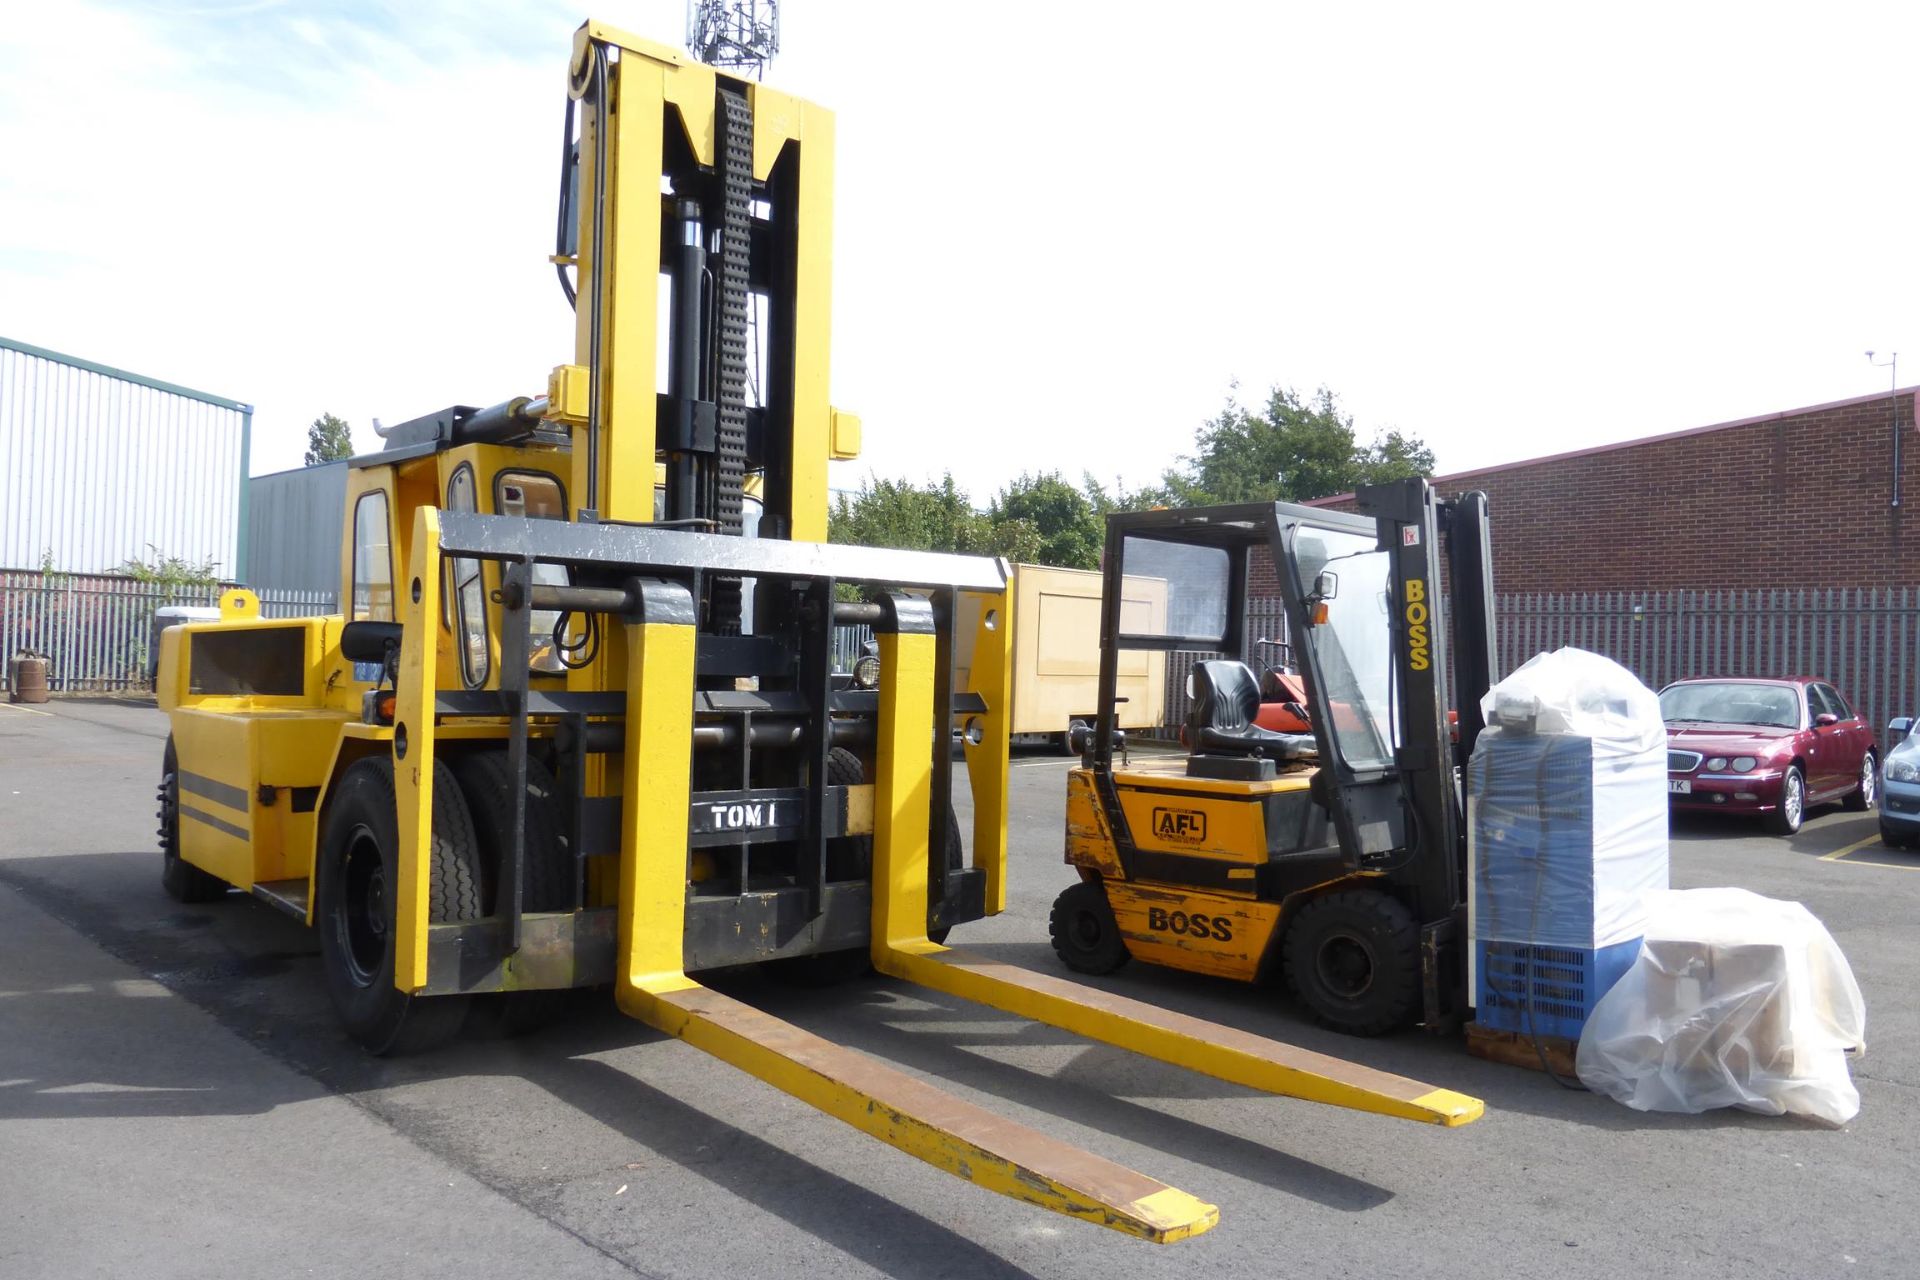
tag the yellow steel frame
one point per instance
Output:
(656, 86)
(418, 596)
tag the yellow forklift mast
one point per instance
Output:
(579, 722)
(1334, 859)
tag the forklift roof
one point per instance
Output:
(1232, 525)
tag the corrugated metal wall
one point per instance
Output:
(293, 529)
(99, 466)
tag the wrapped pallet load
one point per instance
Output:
(1567, 833)
(1735, 1001)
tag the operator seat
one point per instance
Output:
(1226, 698)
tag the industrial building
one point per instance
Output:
(293, 528)
(99, 466)
(1803, 498)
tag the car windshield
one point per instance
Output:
(1732, 703)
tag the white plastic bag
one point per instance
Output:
(1573, 691)
(1735, 1001)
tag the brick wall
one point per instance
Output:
(1795, 499)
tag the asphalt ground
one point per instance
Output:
(176, 1100)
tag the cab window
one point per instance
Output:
(469, 595)
(372, 559)
(536, 495)
(529, 493)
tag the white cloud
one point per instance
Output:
(1061, 231)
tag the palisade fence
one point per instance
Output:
(1867, 642)
(95, 629)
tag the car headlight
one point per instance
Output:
(866, 672)
(1902, 771)
(1744, 764)
(1716, 764)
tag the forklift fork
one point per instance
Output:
(651, 983)
(903, 1112)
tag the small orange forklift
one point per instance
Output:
(1336, 857)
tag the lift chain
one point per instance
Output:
(735, 157)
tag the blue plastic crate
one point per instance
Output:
(1567, 983)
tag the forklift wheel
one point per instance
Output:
(1085, 935)
(548, 883)
(1354, 960)
(357, 898)
(183, 881)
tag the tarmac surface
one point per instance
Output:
(176, 1100)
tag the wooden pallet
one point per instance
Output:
(1517, 1050)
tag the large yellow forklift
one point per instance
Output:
(575, 729)
(1334, 858)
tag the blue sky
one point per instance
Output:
(1062, 231)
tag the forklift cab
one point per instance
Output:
(1335, 856)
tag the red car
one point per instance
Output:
(1769, 747)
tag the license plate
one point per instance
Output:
(1679, 786)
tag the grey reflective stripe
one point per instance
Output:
(219, 792)
(218, 824)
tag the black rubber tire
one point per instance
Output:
(1066, 739)
(1085, 935)
(362, 829)
(1353, 959)
(1862, 799)
(551, 868)
(1894, 839)
(183, 881)
(1786, 820)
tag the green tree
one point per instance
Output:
(1294, 448)
(1395, 457)
(936, 516)
(1062, 526)
(328, 440)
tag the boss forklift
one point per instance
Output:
(1334, 858)
(576, 728)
